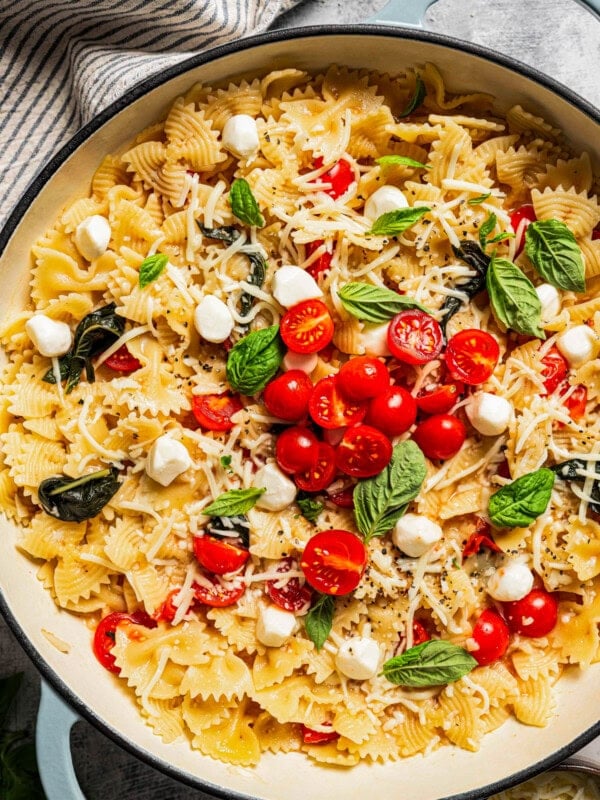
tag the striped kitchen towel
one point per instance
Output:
(63, 61)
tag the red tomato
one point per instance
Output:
(220, 593)
(323, 262)
(122, 360)
(440, 436)
(329, 408)
(307, 327)
(344, 498)
(419, 633)
(363, 377)
(168, 609)
(534, 615)
(439, 398)
(309, 736)
(292, 595)
(595, 234)
(220, 555)
(104, 635)
(492, 637)
(415, 337)
(393, 412)
(576, 402)
(320, 475)
(213, 412)
(526, 215)
(287, 396)
(334, 561)
(340, 176)
(472, 355)
(363, 452)
(480, 538)
(555, 369)
(296, 449)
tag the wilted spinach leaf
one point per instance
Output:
(76, 499)
(227, 526)
(570, 471)
(474, 257)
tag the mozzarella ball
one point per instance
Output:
(510, 582)
(50, 337)
(274, 625)
(374, 338)
(213, 319)
(358, 658)
(281, 491)
(167, 459)
(578, 345)
(384, 200)
(92, 236)
(550, 300)
(304, 362)
(240, 135)
(414, 534)
(488, 413)
(292, 285)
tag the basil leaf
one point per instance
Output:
(234, 503)
(243, 203)
(402, 161)
(481, 198)
(475, 258)
(76, 499)
(151, 268)
(513, 298)
(395, 222)
(519, 503)
(254, 360)
(501, 237)
(486, 228)
(225, 461)
(555, 254)
(225, 234)
(319, 620)
(310, 508)
(379, 502)
(373, 303)
(570, 471)
(433, 663)
(227, 526)
(417, 98)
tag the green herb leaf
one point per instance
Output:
(310, 508)
(379, 502)
(233, 503)
(481, 198)
(519, 503)
(374, 303)
(73, 500)
(227, 233)
(225, 461)
(319, 619)
(475, 258)
(151, 268)
(228, 526)
(433, 663)
(500, 237)
(395, 222)
(486, 229)
(243, 203)
(417, 98)
(513, 298)
(555, 254)
(401, 161)
(254, 360)
(573, 472)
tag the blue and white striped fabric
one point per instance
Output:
(63, 61)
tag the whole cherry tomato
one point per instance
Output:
(220, 555)
(534, 615)
(322, 263)
(291, 594)
(320, 475)
(472, 355)
(213, 412)
(310, 736)
(393, 412)
(491, 636)
(555, 369)
(440, 436)
(439, 398)
(334, 561)
(307, 327)
(415, 337)
(287, 396)
(340, 177)
(363, 377)
(363, 452)
(104, 635)
(524, 215)
(329, 408)
(296, 449)
(214, 591)
(122, 361)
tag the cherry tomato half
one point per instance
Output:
(220, 555)
(104, 635)
(320, 475)
(439, 398)
(596, 233)
(307, 327)
(472, 355)
(168, 609)
(363, 452)
(344, 498)
(340, 176)
(287, 396)
(309, 736)
(292, 595)
(329, 408)
(492, 636)
(555, 369)
(334, 561)
(420, 633)
(296, 449)
(415, 337)
(480, 538)
(525, 215)
(393, 412)
(122, 361)
(363, 377)
(440, 436)
(215, 592)
(534, 615)
(323, 262)
(576, 402)
(213, 412)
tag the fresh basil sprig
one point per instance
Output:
(379, 502)
(513, 298)
(233, 503)
(151, 268)
(416, 99)
(243, 203)
(401, 161)
(254, 360)
(396, 222)
(555, 254)
(309, 508)
(519, 503)
(487, 228)
(433, 663)
(319, 619)
(75, 499)
(374, 303)
(481, 198)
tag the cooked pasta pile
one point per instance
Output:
(202, 672)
